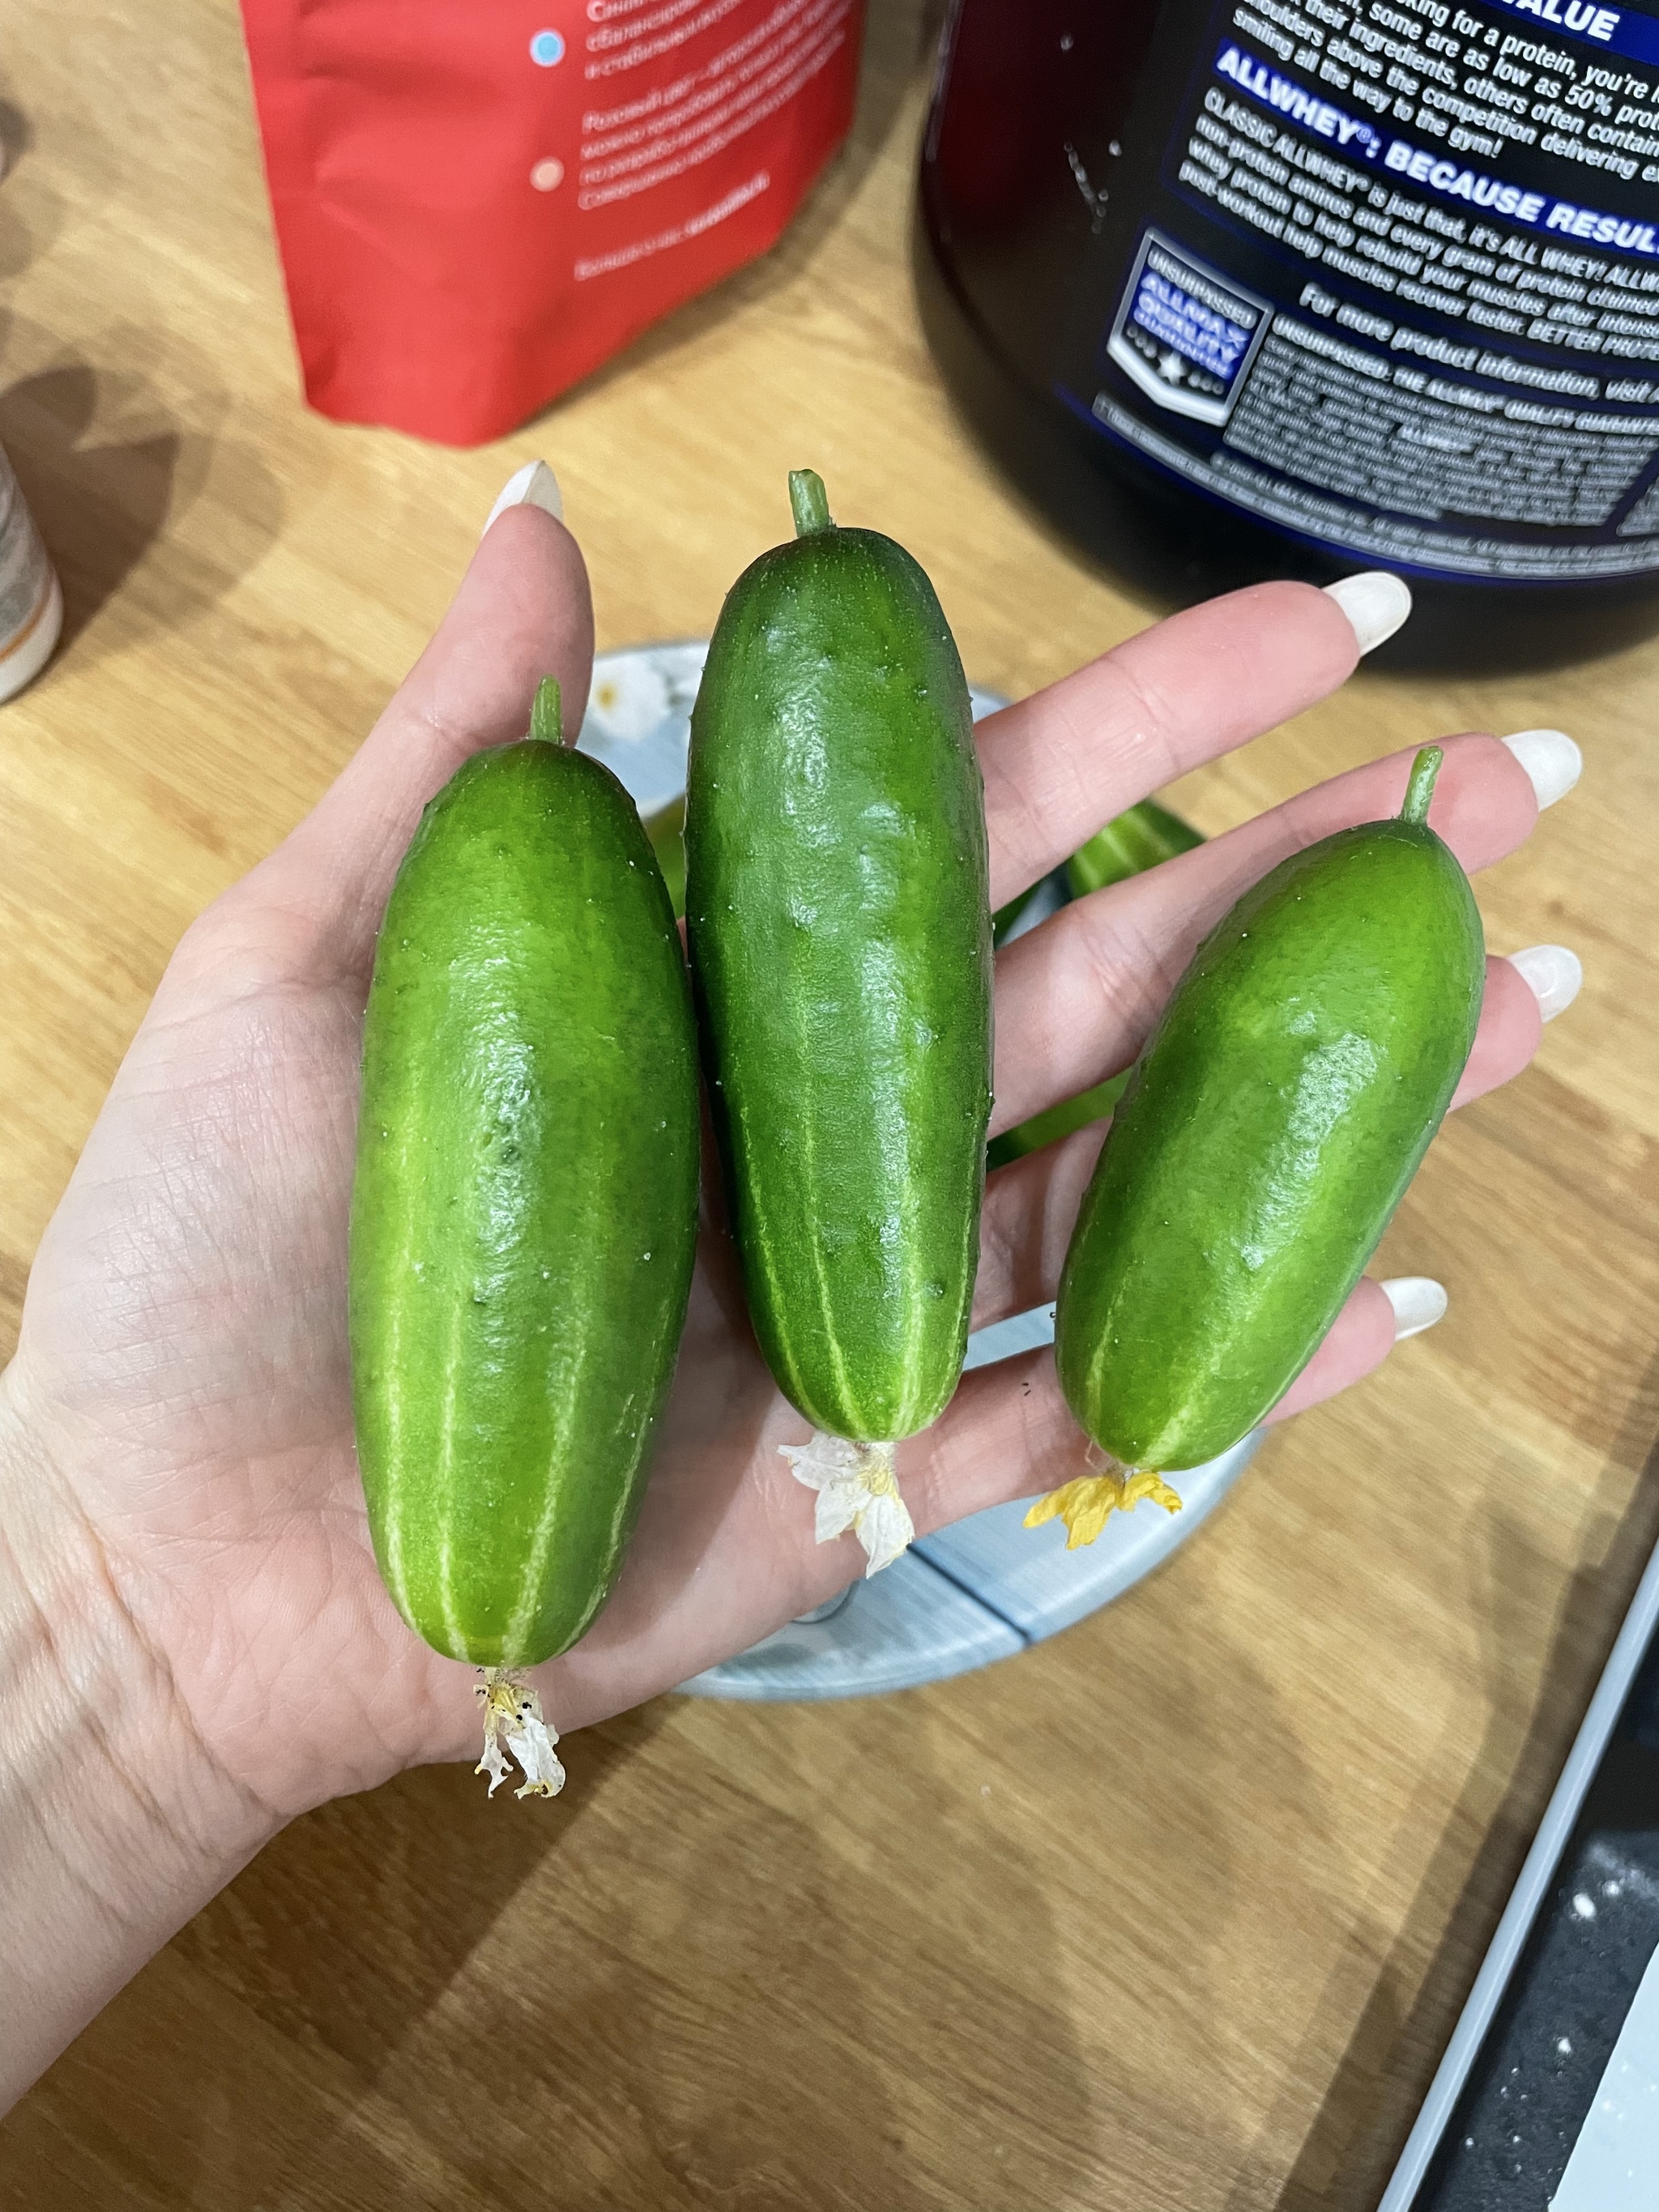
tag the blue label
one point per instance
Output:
(1185, 333)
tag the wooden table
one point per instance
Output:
(1175, 1911)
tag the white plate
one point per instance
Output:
(989, 1587)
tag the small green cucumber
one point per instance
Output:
(839, 932)
(1005, 916)
(1054, 1122)
(524, 1215)
(1270, 1129)
(1130, 843)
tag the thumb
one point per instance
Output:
(522, 612)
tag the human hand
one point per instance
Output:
(181, 1384)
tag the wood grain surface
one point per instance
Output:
(1174, 1912)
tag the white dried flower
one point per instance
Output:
(857, 1490)
(512, 1717)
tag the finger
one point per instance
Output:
(1007, 1433)
(1361, 1338)
(1060, 764)
(1030, 1210)
(1077, 997)
(522, 612)
(1511, 1022)
(1031, 1205)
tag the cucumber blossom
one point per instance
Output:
(839, 925)
(1270, 1128)
(524, 1213)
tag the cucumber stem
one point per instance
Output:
(809, 502)
(547, 714)
(1420, 789)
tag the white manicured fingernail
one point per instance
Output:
(1553, 975)
(1550, 759)
(533, 485)
(1375, 603)
(1417, 1300)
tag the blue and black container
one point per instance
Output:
(1238, 289)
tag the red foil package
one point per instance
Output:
(476, 206)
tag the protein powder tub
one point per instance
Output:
(1252, 288)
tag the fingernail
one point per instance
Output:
(1550, 759)
(1375, 603)
(1417, 1300)
(1553, 975)
(533, 485)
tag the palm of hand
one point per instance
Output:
(185, 1337)
(207, 1388)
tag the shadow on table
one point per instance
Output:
(346, 1939)
(103, 461)
(1392, 2052)
(16, 135)
(256, 2038)
(98, 506)
(107, 469)
(685, 2009)
(33, 212)
(422, 1997)
(732, 1995)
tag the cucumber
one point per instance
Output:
(1054, 1122)
(1005, 916)
(1130, 843)
(524, 1213)
(839, 923)
(1269, 1131)
(666, 831)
